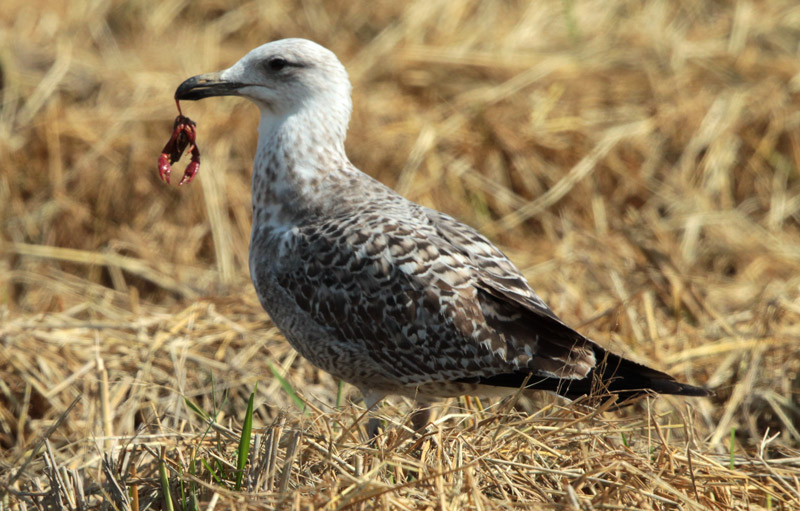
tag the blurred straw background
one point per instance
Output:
(637, 160)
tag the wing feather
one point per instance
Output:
(429, 304)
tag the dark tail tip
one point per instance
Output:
(615, 375)
(626, 377)
(681, 389)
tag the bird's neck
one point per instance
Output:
(296, 154)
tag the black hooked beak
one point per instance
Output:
(205, 86)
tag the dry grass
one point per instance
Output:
(638, 160)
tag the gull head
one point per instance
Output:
(282, 78)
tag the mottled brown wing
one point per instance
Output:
(493, 269)
(568, 360)
(513, 309)
(383, 288)
(415, 302)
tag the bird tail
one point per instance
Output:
(626, 379)
(612, 375)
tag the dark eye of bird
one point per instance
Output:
(276, 64)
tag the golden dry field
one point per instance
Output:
(637, 160)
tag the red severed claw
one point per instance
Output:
(193, 167)
(164, 168)
(184, 133)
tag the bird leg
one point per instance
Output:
(371, 400)
(373, 428)
(421, 417)
(184, 134)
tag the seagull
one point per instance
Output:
(383, 293)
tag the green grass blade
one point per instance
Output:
(212, 472)
(287, 387)
(194, 504)
(244, 441)
(196, 409)
(340, 394)
(162, 473)
(217, 405)
(184, 500)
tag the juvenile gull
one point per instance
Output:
(388, 295)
